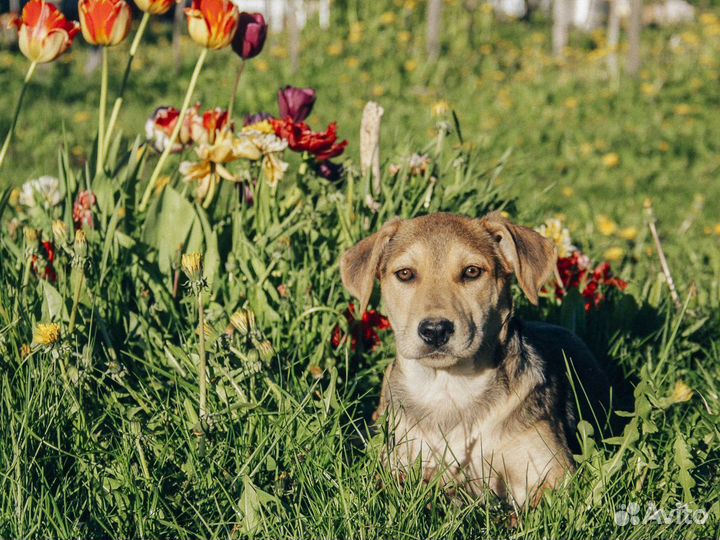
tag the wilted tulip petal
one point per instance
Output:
(105, 22)
(43, 31)
(212, 23)
(160, 125)
(250, 36)
(83, 210)
(296, 103)
(301, 138)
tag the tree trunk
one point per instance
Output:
(561, 26)
(634, 33)
(177, 24)
(434, 27)
(613, 40)
(324, 10)
(294, 35)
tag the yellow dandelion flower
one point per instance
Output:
(611, 160)
(81, 117)
(378, 90)
(335, 49)
(411, 65)
(388, 18)
(261, 65)
(681, 393)
(606, 226)
(571, 103)
(404, 37)
(47, 334)
(716, 229)
(663, 146)
(708, 19)
(682, 109)
(352, 62)
(486, 49)
(278, 52)
(614, 254)
(628, 233)
(586, 149)
(648, 89)
(440, 108)
(568, 192)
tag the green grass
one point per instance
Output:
(97, 434)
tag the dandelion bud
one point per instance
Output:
(208, 331)
(32, 241)
(46, 334)
(60, 231)
(80, 245)
(243, 321)
(192, 266)
(265, 350)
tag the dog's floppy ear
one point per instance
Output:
(360, 264)
(526, 253)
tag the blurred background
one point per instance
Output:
(600, 103)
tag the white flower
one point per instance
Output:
(553, 229)
(43, 191)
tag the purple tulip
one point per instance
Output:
(256, 118)
(250, 36)
(329, 170)
(296, 103)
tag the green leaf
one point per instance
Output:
(683, 459)
(53, 307)
(168, 230)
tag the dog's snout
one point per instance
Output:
(436, 332)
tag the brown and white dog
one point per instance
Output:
(477, 395)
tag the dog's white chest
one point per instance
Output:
(451, 431)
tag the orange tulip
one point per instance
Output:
(212, 23)
(105, 22)
(155, 7)
(43, 32)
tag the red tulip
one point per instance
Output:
(160, 125)
(155, 7)
(105, 22)
(363, 331)
(43, 31)
(250, 36)
(213, 122)
(296, 103)
(212, 23)
(301, 138)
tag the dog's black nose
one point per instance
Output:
(436, 332)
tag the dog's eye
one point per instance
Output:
(472, 272)
(405, 274)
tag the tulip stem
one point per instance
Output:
(236, 86)
(176, 131)
(102, 113)
(18, 106)
(120, 98)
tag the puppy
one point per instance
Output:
(476, 395)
